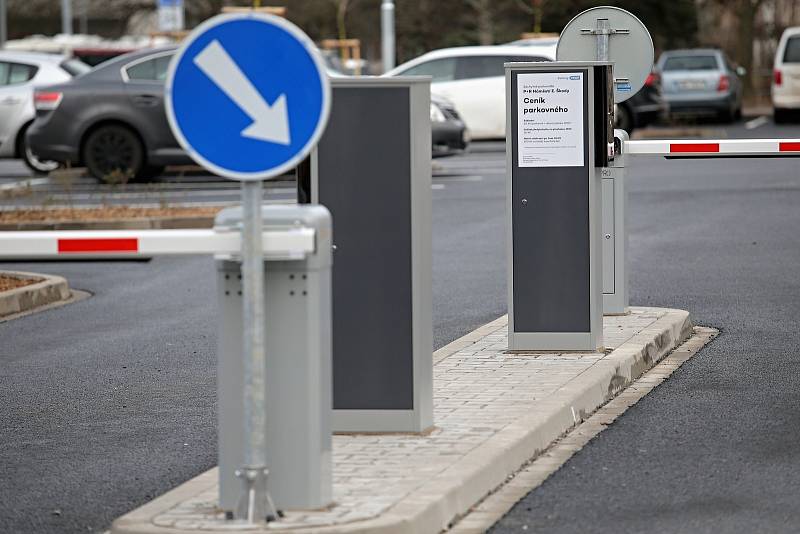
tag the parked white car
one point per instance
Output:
(20, 74)
(786, 75)
(473, 79)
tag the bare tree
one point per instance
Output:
(341, 16)
(534, 8)
(483, 10)
(745, 12)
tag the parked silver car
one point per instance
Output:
(701, 82)
(20, 74)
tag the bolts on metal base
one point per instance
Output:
(255, 505)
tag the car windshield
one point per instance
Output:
(691, 63)
(792, 53)
(75, 67)
(466, 67)
(442, 70)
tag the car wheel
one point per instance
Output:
(623, 119)
(39, 166)
(780, 116)
(113, 154)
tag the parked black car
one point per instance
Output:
(449, 133)
(112, 120)
(645, 107)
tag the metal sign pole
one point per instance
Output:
(603, 29)
(632, 59)
(279, 134)
(255, 504)
(66, 17)
(387, 34)
(602, 32)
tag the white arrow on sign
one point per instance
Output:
(270, 122)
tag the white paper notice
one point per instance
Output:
(550, 119)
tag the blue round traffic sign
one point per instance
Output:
(247, 95)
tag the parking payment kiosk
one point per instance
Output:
(559, 135)
(566, 190)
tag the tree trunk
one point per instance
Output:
(746, 12)
(537, 15)
(483, 9)
(341, 18)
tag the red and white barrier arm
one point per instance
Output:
(702, 148)
(290, 243)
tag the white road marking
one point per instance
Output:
(455, 172)
(23, 184)
(437, 187)
(755, 123)
(457, 178)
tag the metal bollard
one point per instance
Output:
(298, 401)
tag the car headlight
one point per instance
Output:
(436, 114)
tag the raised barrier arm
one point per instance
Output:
(711, 148)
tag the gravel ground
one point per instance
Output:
(102, 213)
(11, 282)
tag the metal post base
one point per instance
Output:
(255, 505)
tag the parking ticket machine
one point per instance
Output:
(560, 136)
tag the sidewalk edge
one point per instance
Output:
(482, 516)
(446, 497)
(466, 482)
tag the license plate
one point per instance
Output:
(689, 85)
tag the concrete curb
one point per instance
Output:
(499, 503)
(468, 481)
(451, 493)
(50, 289)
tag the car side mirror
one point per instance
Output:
(741, 71)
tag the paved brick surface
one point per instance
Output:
(479, 392)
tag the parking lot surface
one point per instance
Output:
(108, 402)
(714, 448)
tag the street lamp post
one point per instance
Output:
(387, 34)
(66, 17)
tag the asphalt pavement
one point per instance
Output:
(110, 401)
(715, 447)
